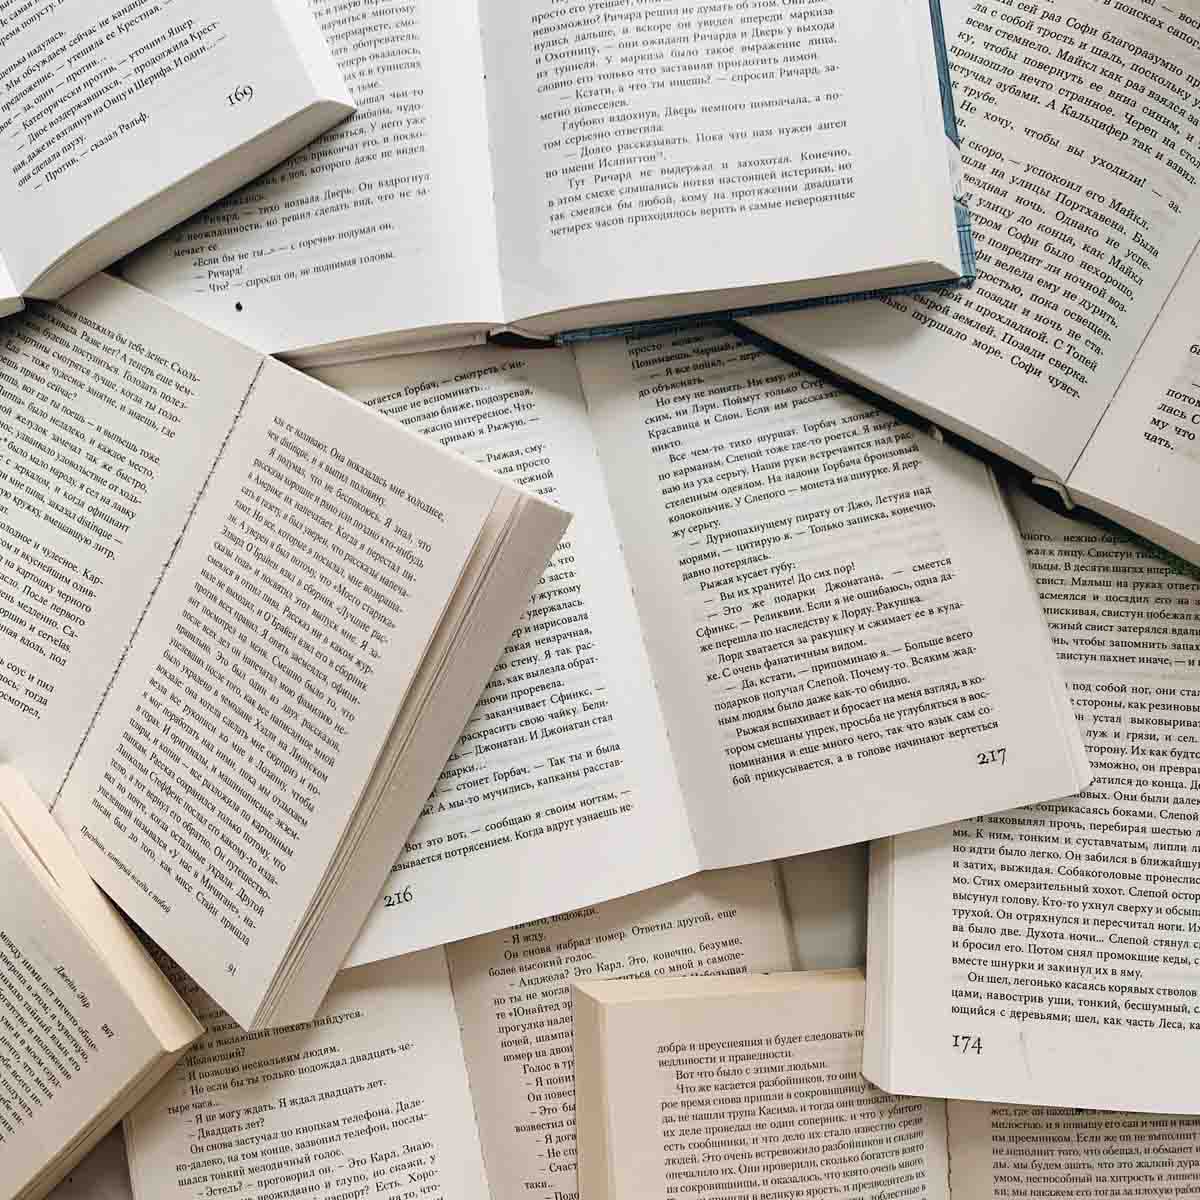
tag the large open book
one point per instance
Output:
(525, 166)
(88, 1024)
(1047, 955)
(243, 621)
(120, 119)
(772, 596)
(1076, 353)
(458, 1081)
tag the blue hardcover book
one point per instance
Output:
(548, 173)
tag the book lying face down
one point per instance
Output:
(261, 616)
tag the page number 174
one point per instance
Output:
(966, 1043)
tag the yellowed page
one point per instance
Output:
(754, 1083)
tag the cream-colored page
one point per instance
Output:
(791, 143)
(763, 1090)
(1001, 1150)
(837, 608)
(112, 412)
(512, 990)
(103, 1175)
(1083, 172)
(104, 103)
(826, 897)
(565, 763)
(1143, 464)
(1049, 955)
(70, 1039)
(385, 223)
(225, 763)
(368, 1099)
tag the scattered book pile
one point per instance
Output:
(480, 720)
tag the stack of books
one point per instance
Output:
(498, 513)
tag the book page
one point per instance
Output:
(565, 761)
(223, 769)
(512, 990)
(71, 1040)
(394, 204)
(368, 1099)
(1056, 943)
(757, 1082)
(834, 604)
(104, 103)
(103, 1175)
(1143, 464)
(1084, 179)
(112, 416)
(1003, 1150)
(622, 136)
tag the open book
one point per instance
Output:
(243, 620)
(705, 1086)
(119, 119)
(772, 595)
(540, 169)
(88, 1024)
(459, 1081)
(1047, 955)
(1076, 353)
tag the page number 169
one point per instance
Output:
(244, 91)
(966, 1043)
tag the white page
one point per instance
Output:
(565, 763)
(109, 103)
(512, 992)
(1060, 936)
(757, 1083)
(384, 223)
(370, 1098)
(10, 294)
(834, 605)
(70, 1039)
(624, 139)
(998, 1149)
(112, 421)
(266, 676)
(1143, 463)
(1027, 360)
(103, 1175)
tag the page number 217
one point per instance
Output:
(989, 758)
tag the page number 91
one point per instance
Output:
(244, 91)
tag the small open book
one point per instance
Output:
(119, 119)
(243, 621)
(88, 1024)
(753, 1086)
(545, 169)
(1077, 353)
